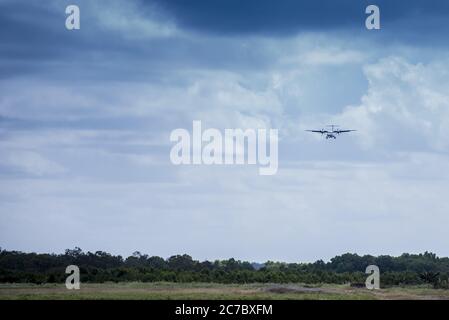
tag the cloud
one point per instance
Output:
(406, 107)
(29, 162)
(129, 19)
(414, 21)
(331, 56)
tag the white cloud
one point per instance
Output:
(30, 162)
(128, 19)
(406, 107)
(331, 56)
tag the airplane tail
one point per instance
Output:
(333, 126)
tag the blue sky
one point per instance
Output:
(85, 119)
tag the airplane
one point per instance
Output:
(331, 134)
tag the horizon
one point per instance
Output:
(125, 256)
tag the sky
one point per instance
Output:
(86, 116)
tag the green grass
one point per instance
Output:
(176, 291)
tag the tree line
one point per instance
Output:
(100, 266)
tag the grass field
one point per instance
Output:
(164, 290)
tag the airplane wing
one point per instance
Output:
(318, 131)
(343, 131)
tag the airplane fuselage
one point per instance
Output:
(331, 134)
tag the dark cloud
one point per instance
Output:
(292, 16)
(34, 39)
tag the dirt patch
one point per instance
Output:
(294, 289)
